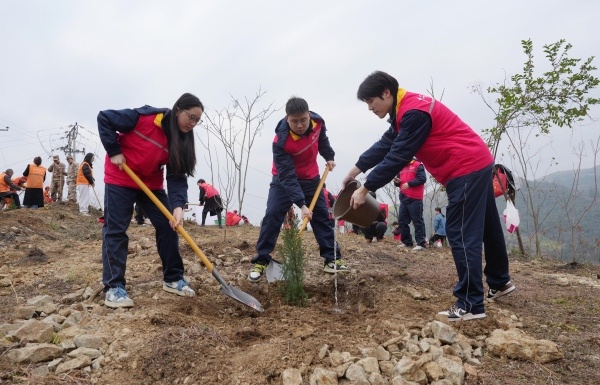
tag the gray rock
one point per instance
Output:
(88, 341)
(323, 377)
(76, 363)
(323, 351)
(516, 344)
(369, 364)
(34, 331)
(92, 353)
(382, 354)
(54, 363)
(24, 312)
(355, 372)
(445, 333)
(34, 353)
(453, 371)
(291, 376)
(377, 379)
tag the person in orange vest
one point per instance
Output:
(85, 180)
(47, 197)
(6, 185)
(36, 175)
(211, 200)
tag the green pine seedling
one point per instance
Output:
(293, 266)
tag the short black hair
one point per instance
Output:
(37, 160)
(438, 209)
(296, 105)
(375, 84)
(201, 181)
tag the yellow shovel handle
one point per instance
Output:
(169, 216)
(314, 199)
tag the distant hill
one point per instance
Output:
(561, 207)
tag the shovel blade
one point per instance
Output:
(237, 294)
(274, 271)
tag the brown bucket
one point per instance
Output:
(364, 215)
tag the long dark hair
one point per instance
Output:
(182, 153)
(88, 158)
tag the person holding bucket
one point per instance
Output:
(457, 158)
(299, 138)
(146, 139)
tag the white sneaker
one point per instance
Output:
(117, 297)
(180, 287)
(418, 248)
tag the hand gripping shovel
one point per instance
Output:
(226, 289)
(274, 269)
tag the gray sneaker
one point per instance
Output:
(181, 287)
(507, 289)
(117, 297)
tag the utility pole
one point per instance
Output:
(70, 148)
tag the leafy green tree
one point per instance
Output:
(529, 103)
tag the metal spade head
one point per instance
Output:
(237, 294)
(274, 271)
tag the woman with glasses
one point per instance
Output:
(147, 139)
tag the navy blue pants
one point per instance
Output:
(278, 204)
(118, 209)
(377, 230)
(411, 210)
(473, 223)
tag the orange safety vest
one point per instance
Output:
(36, 176)
(4, 187)
(81, 179)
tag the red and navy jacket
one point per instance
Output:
(295, 157)
(424, 128)
(141, 135)
(414, 175)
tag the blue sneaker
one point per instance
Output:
(181, 287)
(117, 297)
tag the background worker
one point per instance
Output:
(211, 200)
(59, 172)
(439, 227)
(85, 182)
(8, 189)
(36, 176)
(72, 179)
(411, 183)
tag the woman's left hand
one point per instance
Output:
(178, 216)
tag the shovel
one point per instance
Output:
(226, 289)
(274, 268)
(101, 219)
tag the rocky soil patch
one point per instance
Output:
(383, 329)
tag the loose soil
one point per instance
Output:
(212, 339)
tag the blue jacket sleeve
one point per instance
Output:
(110, 122)
(177, 190)
(420, 178)
(415, 127)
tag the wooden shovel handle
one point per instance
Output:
(169, 216)
(314, 199)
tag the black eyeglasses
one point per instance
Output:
(193, 118)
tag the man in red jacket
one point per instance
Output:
(299, 138)
(456, 157)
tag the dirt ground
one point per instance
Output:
(211, 339)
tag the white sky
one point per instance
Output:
(63, 61)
